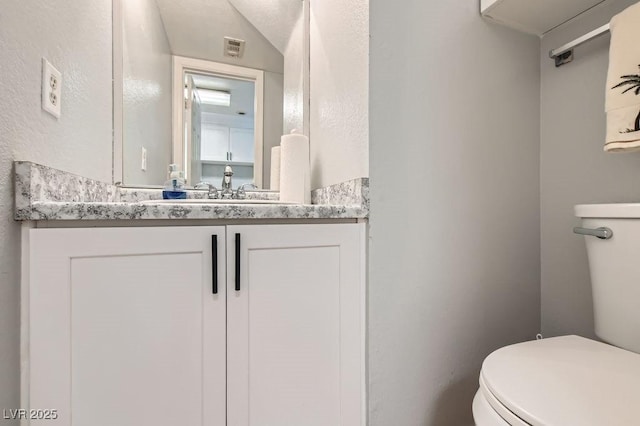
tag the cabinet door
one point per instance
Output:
(124, 328)
(215, 142)
(242, 143)
(295, 325)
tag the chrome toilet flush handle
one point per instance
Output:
(602, 232)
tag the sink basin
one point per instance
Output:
(216, 201)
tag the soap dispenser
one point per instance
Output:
(174, 187)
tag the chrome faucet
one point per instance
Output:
(241, 193)
(212, 190)
(227, 189)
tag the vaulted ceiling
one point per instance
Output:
(275, 19)
(196, 28)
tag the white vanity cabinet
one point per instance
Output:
(124, 326)
(295, 325)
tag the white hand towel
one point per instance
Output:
(623, 82)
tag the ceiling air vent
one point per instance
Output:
(233, 47)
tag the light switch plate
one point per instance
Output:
(143, 163)
(51, 89)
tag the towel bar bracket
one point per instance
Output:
(564, 54)
(564, 58)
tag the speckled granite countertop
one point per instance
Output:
(44, 193)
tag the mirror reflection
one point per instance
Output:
(221, 128)
(205, 84)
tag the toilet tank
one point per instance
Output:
(614, 265)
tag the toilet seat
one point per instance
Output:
(564, 381)
(501, 412)
(484, 414)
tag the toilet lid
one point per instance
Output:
(564, 381)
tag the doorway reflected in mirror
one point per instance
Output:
(220, 128)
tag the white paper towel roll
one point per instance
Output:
(275, 168)
(295, 174)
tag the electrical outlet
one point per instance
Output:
(51, 89)
(143, 164)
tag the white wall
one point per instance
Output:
(339, 120)
(75, 35)
(272, 125)
(454, 230)
(575, 169)
(146, 94)
(293, 85)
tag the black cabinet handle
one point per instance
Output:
(237, 262)
(214, 264)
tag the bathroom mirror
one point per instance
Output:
(206, 83)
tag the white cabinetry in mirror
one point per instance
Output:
(215, 142)
(227, 145)
(128, 326)
(241, 145)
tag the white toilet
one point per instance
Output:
(570, 380)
